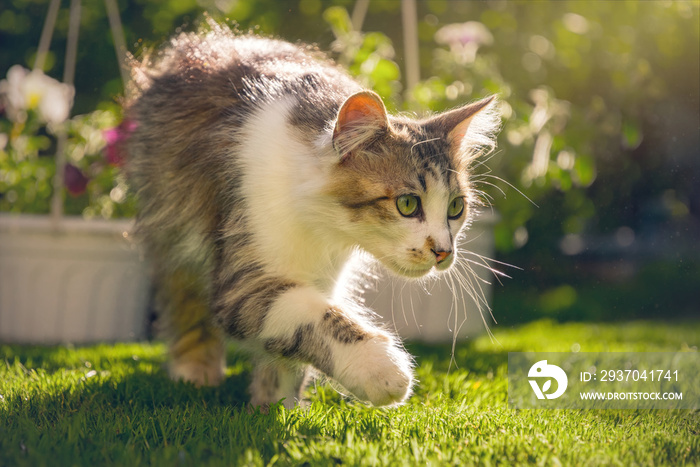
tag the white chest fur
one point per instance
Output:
(282, 183)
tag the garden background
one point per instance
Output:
(596, 182)
(600, 128)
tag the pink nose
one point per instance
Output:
(441, 256)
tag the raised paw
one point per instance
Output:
(375, 370)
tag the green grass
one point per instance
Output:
(113, 405)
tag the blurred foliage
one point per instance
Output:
(599, 102)
(35, 114)
(368, 56)
(615, 289)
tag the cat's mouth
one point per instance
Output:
(416, 270)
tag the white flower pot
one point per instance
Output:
(85, 283)
(433, 311)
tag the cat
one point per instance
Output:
(261, 168)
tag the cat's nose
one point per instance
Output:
(441, 256)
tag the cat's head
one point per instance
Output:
(403, 185)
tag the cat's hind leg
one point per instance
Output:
(277, 380)
(196, 345)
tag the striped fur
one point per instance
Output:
(261, 167)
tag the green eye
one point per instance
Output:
(456, 208)
(407, 205)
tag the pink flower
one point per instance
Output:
(115, 152)
(464, 39)
(76, 182)
(471, 32)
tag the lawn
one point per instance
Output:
(113, 405)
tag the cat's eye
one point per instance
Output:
(408, 205)
(456, 208)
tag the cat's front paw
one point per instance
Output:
(376, 371)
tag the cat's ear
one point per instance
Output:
(456, 123)
(361, 117)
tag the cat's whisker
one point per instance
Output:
(424, 142)
(474, 295)
(393, 317)
(486, 258)
(478, 297)
(465, 311)
(413, 311)
(480, 194)
(483, 262)
(463, 302)
(474, 279)
(511, 186)
(403, 306)
(482, 161)
(482, 182)
(489, 268)
(475, 284)
(496, 273)
(482, 199)
(453, 309)
(484, 297)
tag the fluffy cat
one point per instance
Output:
(261, 168)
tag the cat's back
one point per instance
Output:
(221, 69)
(214, 109)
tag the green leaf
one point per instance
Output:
(631, 135)
(386, 70)
(584, 170)
(338, 18)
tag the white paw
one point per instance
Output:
(374, 370)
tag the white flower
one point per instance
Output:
(29, 90)
(56, 102)
(33, 87)
(11, 91)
